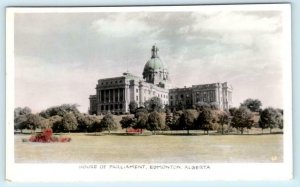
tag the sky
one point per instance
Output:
(60, 56)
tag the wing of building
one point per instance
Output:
(114, 94)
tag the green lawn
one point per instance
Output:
(153, 149)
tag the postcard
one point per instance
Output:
(148, 93)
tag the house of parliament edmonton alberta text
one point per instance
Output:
(114, 94)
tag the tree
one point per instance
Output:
(141, 121)
(186, 120)
(20, 122)
(202, 105)
(133, 106)
(169, 120)
(21, 111)
(174, 125)
(270, 118)
(280, 118)
(223, 118)
(33, 121)
(126, 122)
(140, 109)
(242, 118)
(69, 122)
(252, 104)
(214, 106)
(108, 123)
(206, 119)
(21, 118)
(153, 104)
(155, 122)
(88, 122)
(60, 110)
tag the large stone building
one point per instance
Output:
(114, 94)
(218, 93)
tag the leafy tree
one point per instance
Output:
(133, 106)
(21, 111)
(126, 122)
(33, 121)
(153, 104)
(179, 106)
(140, 109)
(252, 104)
(20, 122)
(280, 118)
(141, 120)
(214, 106)
(270, 118)
(155, 122)
(69, 122)
(60, 110)
(21, 116)
(88, 122)
(202, 106)
(206, 119)
(242, 118)
(108, 123)
(186, 120)
(45, 123)
(169, 120)
(174, 125)
(223, 119)
(232, 111)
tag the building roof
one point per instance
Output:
(155, 63)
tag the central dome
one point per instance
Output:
(155, 70)
(155, 64)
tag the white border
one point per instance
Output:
(71, 173)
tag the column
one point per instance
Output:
(114, 93)
(123, 93)
(127, 99)
(118, 92)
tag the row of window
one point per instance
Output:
(153, 93)
(201, 94)
(112, 107)
(111, 82)
(111, 95)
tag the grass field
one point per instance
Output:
(153, 149)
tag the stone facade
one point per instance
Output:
(114, 94)
(218, 93)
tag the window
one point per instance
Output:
(137, 98)
(171, 96)
(137, 90)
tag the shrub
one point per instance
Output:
(47, 136)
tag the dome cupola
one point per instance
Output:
(155, 70)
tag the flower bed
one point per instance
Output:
(47, 136)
